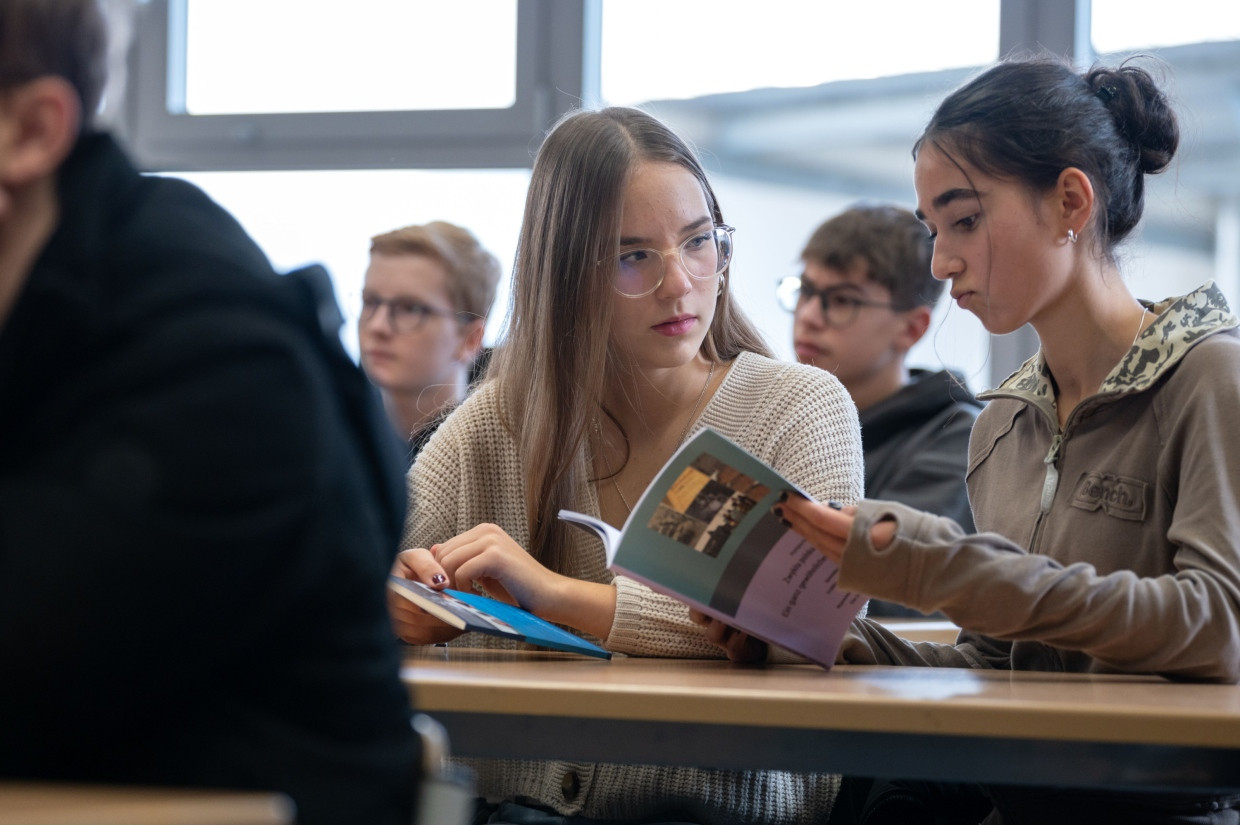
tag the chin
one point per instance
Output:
(999, 326)
(819, 361)
(380, 377)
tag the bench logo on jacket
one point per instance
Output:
(1117, 496)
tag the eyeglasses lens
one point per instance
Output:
(705, 255)
(837, 310)
(402, 316)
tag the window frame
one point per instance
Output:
(557, 71)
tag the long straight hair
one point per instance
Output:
(553, 363)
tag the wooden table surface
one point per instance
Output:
(51, 803)
(932, 723)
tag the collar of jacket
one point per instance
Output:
(1179, 324)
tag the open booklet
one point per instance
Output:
(703, 532)
(475, 612)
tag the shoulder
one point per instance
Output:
(471, 438)
(477, 417)
(795, 417)
(998, 413)
(767, 382)
(1210, 369)
(128, 233)
(1221, 351)
(762, 396)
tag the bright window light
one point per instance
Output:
(655, 50)
(283, 56)
(1128, 25)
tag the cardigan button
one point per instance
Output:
(570, 785)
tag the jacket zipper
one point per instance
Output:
(1050, 484)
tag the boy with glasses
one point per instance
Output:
(863, 300)
(425, 301)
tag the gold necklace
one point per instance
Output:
(598, 432)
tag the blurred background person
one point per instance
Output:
(425, 301)
(864, 299)
(199, 496)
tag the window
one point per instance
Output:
(1130, 25)
(655, 50)
(269, 84)
(263, 56)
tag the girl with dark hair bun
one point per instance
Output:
(1103, 474)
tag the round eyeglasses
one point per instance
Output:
(703, 255)
(840, 304)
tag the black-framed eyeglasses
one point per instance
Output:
(840, 304)
(703, 255)
(404, 314)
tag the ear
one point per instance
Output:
(1073, 201)
(471, 340)
(916, 321)
(39, 124)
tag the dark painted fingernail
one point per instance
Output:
(783, 496)
(835, 505)
(786, 522)
(438, 578)
(778, 511)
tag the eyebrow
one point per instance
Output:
(947, 197)
(689, 227)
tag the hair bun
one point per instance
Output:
(1141, 112)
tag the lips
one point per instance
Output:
(375, 355)
(675, 326)
(806, 350)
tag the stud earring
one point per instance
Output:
(1072, 235)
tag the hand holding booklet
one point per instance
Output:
(482, 614)
(703, 532)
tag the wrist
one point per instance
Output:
(583, 605)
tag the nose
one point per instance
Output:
(676, 278)
(944, 265)
(810, 313)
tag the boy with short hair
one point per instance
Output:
(427, 294)
(864, 299)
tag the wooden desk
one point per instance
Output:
(928, 723)
(38, 803)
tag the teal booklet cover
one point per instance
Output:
(703, 532)
(475, 612)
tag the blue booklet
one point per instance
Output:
(474, 612)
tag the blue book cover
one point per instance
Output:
(475, 612)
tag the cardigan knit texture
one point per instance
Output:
(799, 420)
